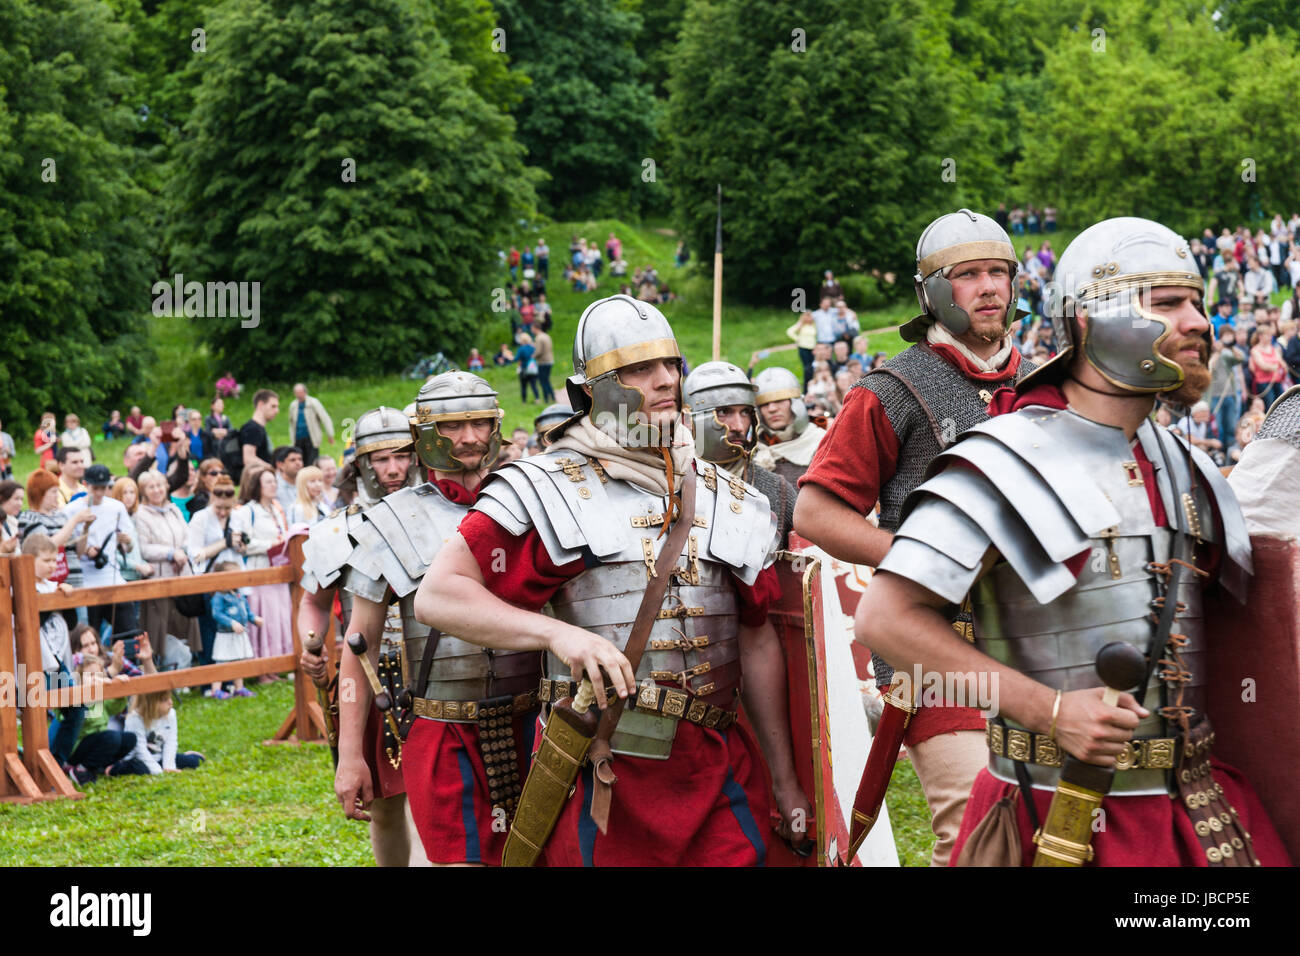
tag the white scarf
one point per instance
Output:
(643, 467)
(938, 334)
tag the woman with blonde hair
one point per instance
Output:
(260, 516)
(163, 535)
(310, 505)
(131, 563)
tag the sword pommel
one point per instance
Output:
(1121, 667)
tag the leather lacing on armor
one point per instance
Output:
(1174, 672)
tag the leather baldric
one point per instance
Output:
(601, 754)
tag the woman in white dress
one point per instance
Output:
(260, 516)
(310, 505)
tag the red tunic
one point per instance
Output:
(713, 782)
(1140, 831)
(858, 457)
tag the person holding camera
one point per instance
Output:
(210, 541)
(110, 530)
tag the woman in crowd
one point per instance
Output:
(525, 355)
(329, 471)
(182, 485)
(45, 440)
(210, 541)
(1267, 367)
(310, 505)
(260, 516)
(74, 436)
(822, 385)
(44, 516)
(210, 471)
(131, 563)
(11, 505)
(162, 543)
(199, 440)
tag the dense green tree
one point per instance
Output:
(1255, 18)
(1173, 119)
(587, 118)
(74, 279)
(830, 127)
(355, 275)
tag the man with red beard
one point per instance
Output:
(466, 705)
(1081, 530)
(894, 421)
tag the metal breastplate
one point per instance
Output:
(1057, 643)
(461, 670)
(694, 642)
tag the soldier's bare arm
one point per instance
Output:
(352, 783)
(453, 598)
(899, 620)
(835, 527)
(764, 692)
(314, 615)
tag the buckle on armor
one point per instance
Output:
(573, 469)
(648, 555)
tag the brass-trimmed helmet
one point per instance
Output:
(712, 386)
(1105, 271)
(613, 333)
(774, 385)
(380, 429)
(957, 237)
(453, 396)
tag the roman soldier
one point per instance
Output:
(722, 414)
(1086, 537)
(787, 439)
(468, 713)
(550, 415)
(584, 528)
(894, 421)
(383, 464)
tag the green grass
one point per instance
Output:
(909, 816)
(249, 804)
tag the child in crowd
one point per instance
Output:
(56, 647)
(231, 612)
(101, 748)
(153, 721)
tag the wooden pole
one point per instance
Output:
(302, 722)
(42, 766)
(717, 284)
(16, 784)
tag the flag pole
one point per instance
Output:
(717, 284)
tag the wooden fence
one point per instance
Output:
(36, 774)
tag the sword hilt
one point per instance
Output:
(1121, 667)
(313, 644)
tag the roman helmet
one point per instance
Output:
(613, 333)
(1105, 271)
(549, 416)
(956, 237)
(775, 384)
(379, 429)
(453, 397)
(712, 386)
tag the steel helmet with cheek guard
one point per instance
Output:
(957, 237)
(453, 397)
(614, 333)
(1105, 271)
(775, 384)
(712, 386)
(380, 429)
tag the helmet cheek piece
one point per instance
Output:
(935, 293)
(1122, 340)
(713, 439)
(368, 478)
(619, 411)
(434, 449)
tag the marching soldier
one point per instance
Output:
(893, 423)
(469, 712)
(787, 440)
(618, 508)
(720, 405)
(383, 463)
(1089, 536)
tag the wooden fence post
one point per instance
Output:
(306, 722)
(16, 784)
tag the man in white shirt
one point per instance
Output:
(1258, 283)
(288, 462)
(98, 549)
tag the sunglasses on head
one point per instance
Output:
(213, 471)
(220, 493)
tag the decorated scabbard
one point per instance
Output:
(568, 735)
(894, 718)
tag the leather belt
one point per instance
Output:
(467, 711)
(653, 699)
(1140, 753)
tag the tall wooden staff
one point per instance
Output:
(717, 284)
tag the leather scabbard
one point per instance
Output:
(895, 717)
